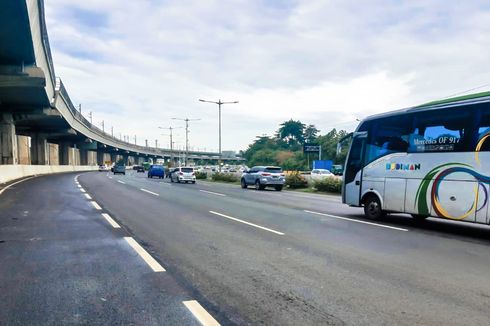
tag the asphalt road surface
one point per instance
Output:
(246, 256)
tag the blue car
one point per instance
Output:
(156, 171)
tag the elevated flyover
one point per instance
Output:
(39, 124)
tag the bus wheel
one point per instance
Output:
(419, 217)
(372, 208)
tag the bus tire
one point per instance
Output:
(419, 217)
(372, 207)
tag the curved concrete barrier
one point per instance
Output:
(12, 172)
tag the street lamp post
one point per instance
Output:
(219, 114)
(186, 136)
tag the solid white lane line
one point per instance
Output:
(82, 190)
(357, 221)
(110, 177)
(96, 205)
(155, 266)
(150, 192)
(111, 221)
(121, 182)
(13, 184)
(212, 193)
(200, 313)
(245, 222)
(87, 196)
(79, 186)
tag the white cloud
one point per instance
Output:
(137, 64)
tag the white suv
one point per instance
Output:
(183, 174)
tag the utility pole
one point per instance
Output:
(146, 142)
(219, 119)
(186, 136)
(156, 143)
(80, 108)
(112, 131)
(103, 126)
(171, 141)
(90, 116)
(135, 139)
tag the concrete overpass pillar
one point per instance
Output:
(83, 157)
(8, 140)
(39, 150)
(23, 150)
(113, 157)
(100, 158)
(64, 153)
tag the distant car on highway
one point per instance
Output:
(337, 169)
(103, 168)
(156, 171)
(262, 177)
(183, 174)
(119, 169)
(140, 168)
(320, 174)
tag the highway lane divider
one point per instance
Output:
(121, 182)
(247, 223)
(356, 221)
(212, 193)
(154, 265)
(200, 313)
(88, 196)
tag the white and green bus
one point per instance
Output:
(429, 160)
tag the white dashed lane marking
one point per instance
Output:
(111, 221)
(150, 192)
(96, 205)
(247, 223)
(200, 313)
(357, 221)
(155, 266)
(212, 193)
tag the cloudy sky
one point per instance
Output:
(138, 64)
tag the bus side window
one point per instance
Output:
(441, 132)
(388, 136)
(483, 132)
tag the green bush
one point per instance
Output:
(330, 184)
(225, 177)
(295, 180)
(201, 175)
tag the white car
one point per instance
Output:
(319, 174)
(183, 174)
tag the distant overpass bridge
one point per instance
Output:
(39, 124)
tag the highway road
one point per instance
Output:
(244, 256)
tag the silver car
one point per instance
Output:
(183, 174)
(263, 176)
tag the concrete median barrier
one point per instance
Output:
(12, 172)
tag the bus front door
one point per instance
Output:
(353, 171)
